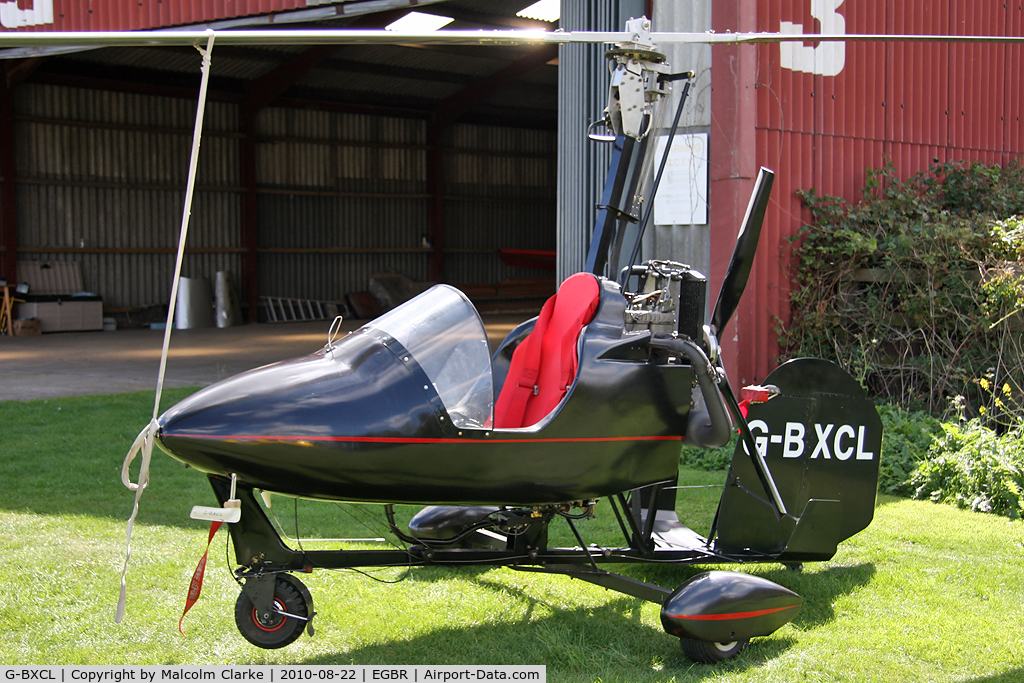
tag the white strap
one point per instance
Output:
(144, 444)
(146, 438)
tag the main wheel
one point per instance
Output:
(277, 629)
(707, 652)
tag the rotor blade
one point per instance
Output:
(470, 37)
(743, 253)
(668, 37)
(302, 37)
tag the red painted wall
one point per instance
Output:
(732, 169)
(909, 102)
(128, 15)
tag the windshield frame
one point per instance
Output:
(444, 333)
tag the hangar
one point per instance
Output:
(320, 166)
(323, 166)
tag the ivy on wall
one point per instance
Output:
(918, 288)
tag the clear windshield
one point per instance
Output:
(444, 333)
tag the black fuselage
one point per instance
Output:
(361, 422)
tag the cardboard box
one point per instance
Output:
(26, 327)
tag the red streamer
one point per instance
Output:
(196, 586)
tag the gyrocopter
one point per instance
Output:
(580, 411)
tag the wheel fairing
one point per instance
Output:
(723, 606)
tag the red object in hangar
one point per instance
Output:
(821, 114)
(117, 15)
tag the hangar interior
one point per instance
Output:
(319, 167)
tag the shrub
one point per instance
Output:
(917, 289)
(710, 459)
(972, 467)
(907, 439)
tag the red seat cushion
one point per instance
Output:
(545, 363)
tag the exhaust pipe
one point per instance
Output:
(708, 424)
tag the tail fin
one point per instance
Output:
(822, 439)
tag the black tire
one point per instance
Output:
(706, 652)
(278, 630)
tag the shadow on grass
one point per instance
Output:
(608, 642)
(1012, 676)
(889, 499)
(819, 589)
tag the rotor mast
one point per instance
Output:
(637, 86)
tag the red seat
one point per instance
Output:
(544, 364)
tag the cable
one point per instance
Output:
(583, 515)
(227, 559)
(405, 575)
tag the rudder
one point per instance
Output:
(822, 439)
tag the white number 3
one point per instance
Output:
(827, 59)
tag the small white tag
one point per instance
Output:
(210, 514)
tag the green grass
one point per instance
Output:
(926, 593)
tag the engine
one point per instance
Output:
(670, 297)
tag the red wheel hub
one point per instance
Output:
(269, 629)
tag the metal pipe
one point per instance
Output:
(708, 424)
(657, 179)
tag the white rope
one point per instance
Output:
(145, 440)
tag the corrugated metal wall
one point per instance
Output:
(344, 196)
(500, 193)
(341, 196)
(101, 177)
(685, 243)
(911, 102)
(582, 97)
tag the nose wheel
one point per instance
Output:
(277, 622)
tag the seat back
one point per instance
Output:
(545, 363)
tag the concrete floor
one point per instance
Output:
(86, 363)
